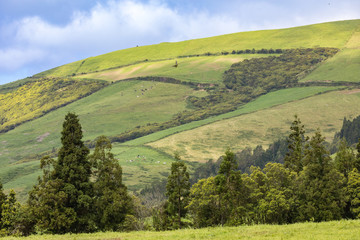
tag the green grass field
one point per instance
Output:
(333, 34)
(261, 127)
(344, 66)
(344, 229)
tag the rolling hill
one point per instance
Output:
(127, 102)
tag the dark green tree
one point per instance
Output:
(296, 142)
(9, 209)
(62, 201)
(204, 203)
(322, 193)
(230, 189)
(112, 202)
(279, 202)
(177, 191)
(353, 188)
(345, 159)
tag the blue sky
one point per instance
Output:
(36, 35)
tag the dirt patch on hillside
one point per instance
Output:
(353, 91)
(42, 137)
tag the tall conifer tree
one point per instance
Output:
(296, 142)
(178, 190)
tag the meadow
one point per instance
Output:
(263, 126)
(344, 229)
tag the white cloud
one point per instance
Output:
(107, 27)
(121, 24)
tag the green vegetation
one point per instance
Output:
(36, 98)
(334, 34)
(344, 229)
(244, 81)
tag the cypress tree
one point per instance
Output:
(322, 193)
(178, 191)
(74, 169)
(296, 141)
(62, 201)
(230, 188)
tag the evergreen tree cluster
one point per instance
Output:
(350, 130)
(77, 192)
(309, 186)
(82, 192)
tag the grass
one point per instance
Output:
(344, 66)
(344, 229)
(262, 126)
(207, 69)
(141, 165)
(333, 34)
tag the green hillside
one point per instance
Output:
(128, 104)
(334, 34)
(261, 127)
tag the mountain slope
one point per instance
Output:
(333, 34)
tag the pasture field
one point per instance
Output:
(205, 69)
(262, 127)
(344, 229)
(266, 101)
(332, 34)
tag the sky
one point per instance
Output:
(36, 35)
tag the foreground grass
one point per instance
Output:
(344, 229)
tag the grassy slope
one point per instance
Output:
(345, 66)
(334, 34)
(262, 127)
(343, 229)
(106, 112)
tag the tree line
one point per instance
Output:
(83, 192)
